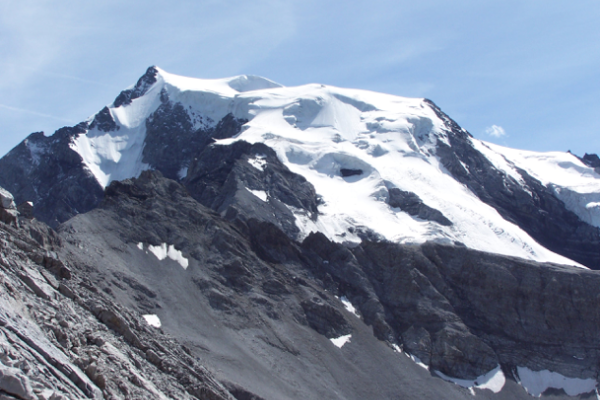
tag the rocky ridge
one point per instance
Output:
(61, 338)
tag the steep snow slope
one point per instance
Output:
(117, 154)
(575, 183)
(353, 146)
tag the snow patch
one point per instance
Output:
(163, 251)
(140, 246)
(182, 173)
(152, 320)
(493, 380)
(259, 162)
(537, 382)
(35, 150)
(261, 194)
(417, 361)
(348, 306)
(341, 341)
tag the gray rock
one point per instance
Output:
(6, 200)
(412, 204)
(26, 209)
(14, 382)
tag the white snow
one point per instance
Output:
(536, 382)
(259, 162)
(341, 341)
(163, 251)
(152, 320)
(348, 306)
(318, 130)
(261, 194)
(140, 246)
(417, 361)
(494, 380)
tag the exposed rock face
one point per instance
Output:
(533, 207)
(412, 204)
(47, 172)
(104, 121)
(62, 338)
(229, 180)
(140, 88)
(172, 141)
(592, 160)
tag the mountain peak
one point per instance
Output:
(349, 144)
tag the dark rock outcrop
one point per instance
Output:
(140, 88)
(104, 121)
(47, 172)
(171, 140)
(412, 204)
(228, 179)
(591, 160)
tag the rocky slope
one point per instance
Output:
(62, 338)
(258, 309)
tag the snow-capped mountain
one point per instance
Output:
(297, 242)
(380, 164)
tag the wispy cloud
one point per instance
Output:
(495, 131)
(22, 110)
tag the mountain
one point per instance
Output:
(301, 242)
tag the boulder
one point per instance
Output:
(26, 209)
(7, 200)
(15, 383)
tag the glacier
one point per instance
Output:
(353, 146)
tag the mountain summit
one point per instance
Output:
(263, 224)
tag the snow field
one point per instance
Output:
(319, 130)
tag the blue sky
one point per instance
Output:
(524, 74)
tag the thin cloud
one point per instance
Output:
(35, 113)
(53, 74)
(495, 131)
